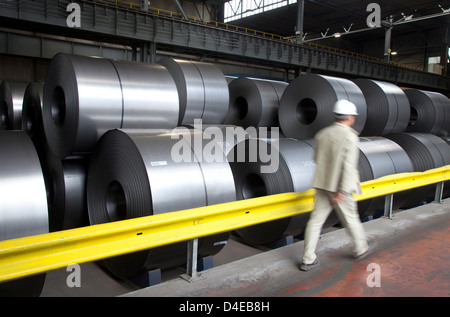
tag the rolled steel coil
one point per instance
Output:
(426, 151)
(85, 97)
(307, 103)
(140, 173)
(379, 157)
(32, 121)
(388, 109)
(430, 112)
(150, 97)
(202, 90)
(11, 99)
(65, 181)
(23, 203)
(291, 170)
(254, 102)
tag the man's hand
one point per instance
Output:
(338, 197)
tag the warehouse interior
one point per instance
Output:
(97, 96)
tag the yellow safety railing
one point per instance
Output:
(36, 254)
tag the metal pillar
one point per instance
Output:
(144, 52)
(152, 52)
(192, 258)
(191, 266)
(300, 15)
(439, 191)
(144, 5)
(387, 41)
(388, 200)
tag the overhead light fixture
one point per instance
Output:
(337, 34)
(393, 53)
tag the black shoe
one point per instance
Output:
(361, 255)
(307, 267)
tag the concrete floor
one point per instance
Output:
(410, 257)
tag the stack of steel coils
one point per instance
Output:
(82, 99)
(116, 140)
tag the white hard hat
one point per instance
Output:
(345, 107)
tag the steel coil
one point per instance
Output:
(85, 97)
(388, 109)
(65, 181)
(23, 203)
(426, 151)
(150, 97)
(291, 170)
(32, 121)
(379, 157)
(11, 99)
(254, 102)
(140, 173)
(307, 103)
(82, 100)
(430, 112)
(202, 89)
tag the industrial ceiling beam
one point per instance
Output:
(180, 7)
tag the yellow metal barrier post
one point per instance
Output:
(439, 192)
(388, 202)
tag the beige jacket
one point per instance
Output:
(336, 158)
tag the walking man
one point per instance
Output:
(336, 179)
